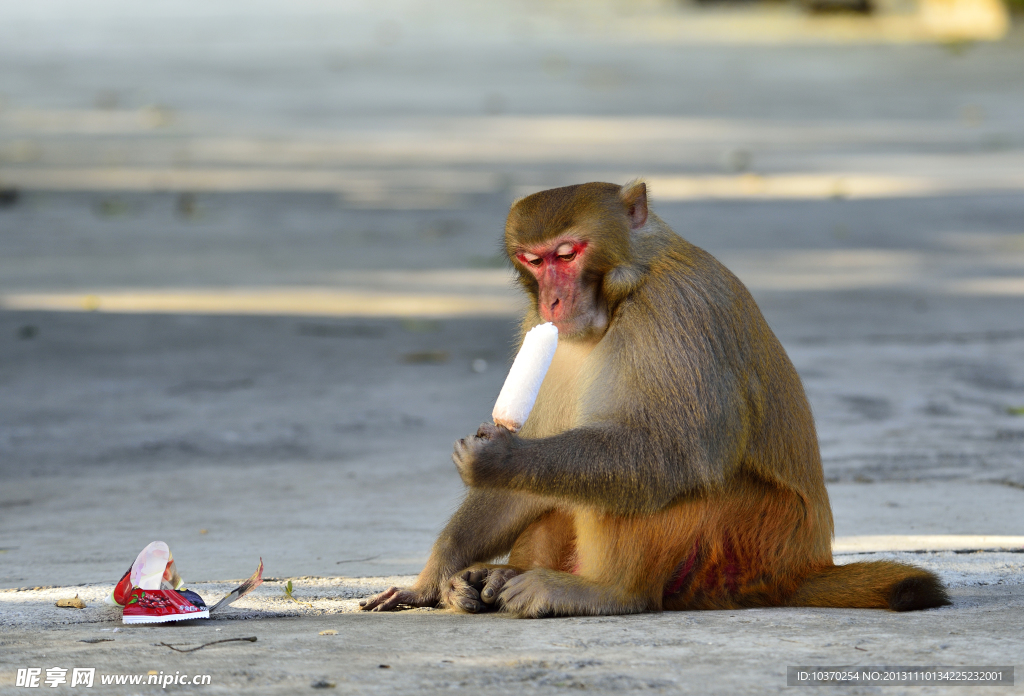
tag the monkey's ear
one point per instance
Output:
(634, 197)
(620, 282)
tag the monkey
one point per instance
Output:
(670, 461)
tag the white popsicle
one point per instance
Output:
(523, 382)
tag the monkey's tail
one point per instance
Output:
(871, 585)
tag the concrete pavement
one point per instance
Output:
(251, 294)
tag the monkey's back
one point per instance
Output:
(732, 379)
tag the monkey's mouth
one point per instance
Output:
(566, 323)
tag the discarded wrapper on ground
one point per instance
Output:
(152, 591)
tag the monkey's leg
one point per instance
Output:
(548, 542)
(543, 592)
(485, 526)
(620, 565)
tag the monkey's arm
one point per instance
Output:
(664, 415)
(625, 470)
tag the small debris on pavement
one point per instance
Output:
(288, 595)
(72, 603)
(250, 639)
(426, 357)
(358, 560)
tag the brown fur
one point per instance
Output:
(671, 460)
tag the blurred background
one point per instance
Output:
(250, 273)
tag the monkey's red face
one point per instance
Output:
(564, 297)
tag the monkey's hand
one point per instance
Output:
(489, 445)
(396, 598)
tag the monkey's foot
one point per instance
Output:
(476, 588)
(541, 593)
(396, 598)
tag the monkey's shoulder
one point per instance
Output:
(690, 317)
(683, 280)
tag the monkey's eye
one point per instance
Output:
(565, 252)
(532, 260)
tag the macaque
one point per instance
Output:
(670, 461)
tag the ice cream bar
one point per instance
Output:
(523, 382)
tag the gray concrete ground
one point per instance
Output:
(304, 205)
